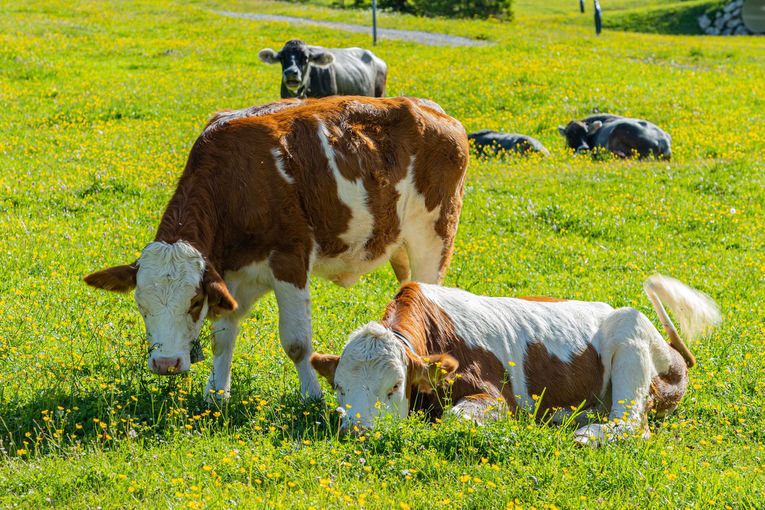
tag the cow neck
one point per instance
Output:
(190, 216)
(412, 316)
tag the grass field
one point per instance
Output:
(101, 103)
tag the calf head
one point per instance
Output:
(578, 134)
(375, 375)
(175, 290)
(296, 57)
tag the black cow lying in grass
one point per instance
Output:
(622, 136)
(313, 71)
(488, 142)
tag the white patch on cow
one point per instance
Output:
(168, 277)
(505, 326)
(354, 196)
(280, 165)
(370, 377)
(418, 229)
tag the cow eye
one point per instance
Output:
(393, 390)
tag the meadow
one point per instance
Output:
(101, 104)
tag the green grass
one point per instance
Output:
(101, 103)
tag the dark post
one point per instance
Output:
(598, 22)
(374, 22)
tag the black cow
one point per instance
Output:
(623, 136)
(313, 71)
(496, 141)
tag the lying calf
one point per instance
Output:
(488, 142)
(623, 136)
(490, 353)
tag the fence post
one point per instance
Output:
(374, 22)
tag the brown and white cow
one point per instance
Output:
(270, 194)
(492, 354)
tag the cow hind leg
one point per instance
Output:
(627, 339)
(295, 333)
(400, 263)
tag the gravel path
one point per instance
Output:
(430, 38)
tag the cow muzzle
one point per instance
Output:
(170, 365)
(581, 149)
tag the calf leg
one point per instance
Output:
(295, 333)
(225, 331)
(400, 263)
(627, 337)
(223, 340)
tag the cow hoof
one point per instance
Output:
(213, 396)
(591, 435)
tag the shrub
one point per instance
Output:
(452, 8)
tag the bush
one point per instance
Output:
(452, 8)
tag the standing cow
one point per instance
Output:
(269, 195)
(623, 136)
(313, 71)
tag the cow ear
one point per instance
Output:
(325, 365)
(116, 279)
(562, 130)
(430, 372)
(268, 56)
(323, 59)
(218, 298)
(594, 127)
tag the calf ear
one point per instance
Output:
(322, 59)
(325, 365)
(594, 127)
(268, 56)
(218, 298)
(429, 372)
(117, 278)
(562, 130)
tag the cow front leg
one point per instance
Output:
(295, 333)
(224, 335)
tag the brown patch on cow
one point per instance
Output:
(431, 331)
(564, 384)
(233, 205)
(667, 389)
(542, 299)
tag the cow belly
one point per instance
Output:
(347, 268)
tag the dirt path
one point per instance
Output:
(429, 38)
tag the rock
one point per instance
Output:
(719, 23)
(733, 23)
(727, 31)
(741, 30)
(728, 8)
(736, 12)
(711, 31)
(704, 21)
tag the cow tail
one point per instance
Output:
(698, 313)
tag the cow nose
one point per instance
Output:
(166, 366)
(290, 74)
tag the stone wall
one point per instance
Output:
(726, 21)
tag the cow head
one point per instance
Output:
(578, 134)
(174, 290)
(296, 57)
(375, 375)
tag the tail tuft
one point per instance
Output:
(698, 313)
